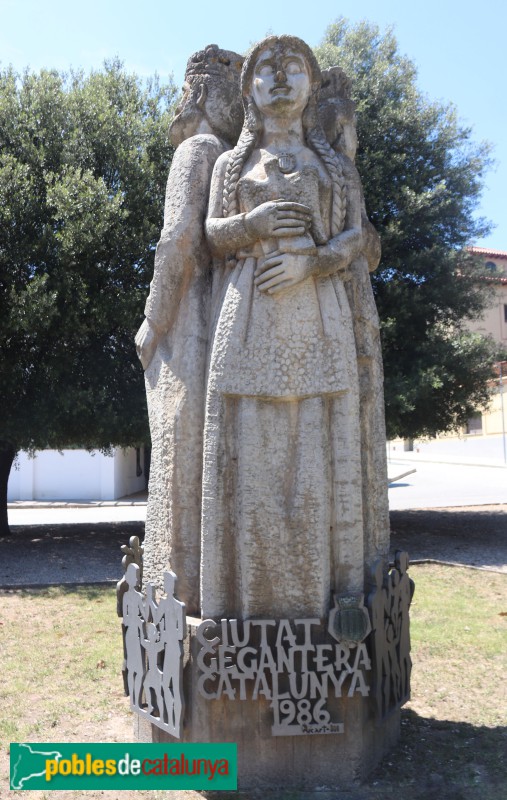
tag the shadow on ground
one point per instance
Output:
(60, 554)
(89, 553)
(434, 760)
(463, 536)
(443, 760)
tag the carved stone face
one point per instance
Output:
(281, 82)
(188, 117)
(338, 121)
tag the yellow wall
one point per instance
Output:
(493, 321)
(492, 419)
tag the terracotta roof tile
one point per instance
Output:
(484, 251)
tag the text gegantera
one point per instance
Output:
(282, 662)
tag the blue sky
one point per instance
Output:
(458, 47)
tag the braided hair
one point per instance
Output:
(239, 156)
(314, 134)
(317, 140)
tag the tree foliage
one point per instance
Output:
(83, 166)
(422, 177)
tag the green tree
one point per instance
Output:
(422, 177)
(83, 166)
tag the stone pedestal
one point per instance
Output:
(303, 762)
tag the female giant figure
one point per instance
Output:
(282, 519)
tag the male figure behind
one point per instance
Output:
(172, 341)
(337, 115)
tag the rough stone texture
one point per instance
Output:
(337, 113)
(281, 481)
(172, 342)
(175, 375)
(282, 489)
(266, 384)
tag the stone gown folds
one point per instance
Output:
(282, 524)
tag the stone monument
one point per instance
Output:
(267, 514)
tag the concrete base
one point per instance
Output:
(303, 763)
(309, 767)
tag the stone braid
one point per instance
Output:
(237, 160)
(318, 142)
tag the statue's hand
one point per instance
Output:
(146, 343)
(279, 270)
(278, 218)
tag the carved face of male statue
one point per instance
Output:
(281, 82)
(337, 120)
(189, 113)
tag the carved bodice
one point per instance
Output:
(309, 185)
(292, 343)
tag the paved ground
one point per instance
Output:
(32, 513)
(443, 485)
(449, 472)
(90, 552)
(430, 517)
(435, 484)
(60, 554)
(467, 450)
(471, 537)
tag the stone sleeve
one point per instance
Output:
(343, 249)
(225, 236)
(182, 249)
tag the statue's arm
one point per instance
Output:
(341, 250)
(371, 240)
(181, 250)
(224, 235)
(283, 269)
(274, 219)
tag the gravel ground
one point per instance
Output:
(90, 553)
(59, 554)
(471, 537)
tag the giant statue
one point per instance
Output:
(268, 487)
(282, 485)
(173, 341)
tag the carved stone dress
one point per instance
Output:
(282, 496)
(179, 306)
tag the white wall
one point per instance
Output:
(126, 480)
(76, 475)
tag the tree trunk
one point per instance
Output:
(7, 453)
